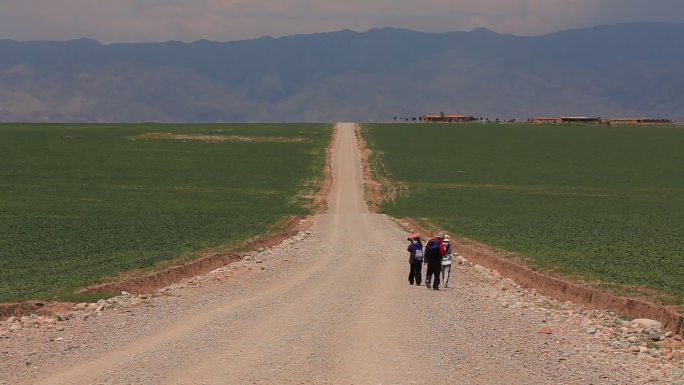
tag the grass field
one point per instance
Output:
(590, 202)
(83, 202)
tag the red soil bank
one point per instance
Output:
(563, 290)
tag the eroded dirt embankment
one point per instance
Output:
(153, 281)
(560, 289)
(150, 282)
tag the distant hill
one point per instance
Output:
(616, 70)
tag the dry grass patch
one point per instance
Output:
(219, 138)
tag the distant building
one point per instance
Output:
(544, 120)
(565, 119)
(640, 121)
(444, 118)
(580, 119)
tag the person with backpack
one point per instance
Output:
(434, 251)
(415, 248)
(446, 261)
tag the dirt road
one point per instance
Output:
(333, 308)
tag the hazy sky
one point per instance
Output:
(223, 20)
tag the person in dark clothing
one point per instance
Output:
(415, 248)
(434, 251)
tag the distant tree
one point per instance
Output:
(414, 118)
(395, 118)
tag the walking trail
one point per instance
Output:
(332, 308)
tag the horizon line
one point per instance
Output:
(476, 29)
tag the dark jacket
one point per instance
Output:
(412, 249)
(439, 255)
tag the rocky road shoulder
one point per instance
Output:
(30, 346)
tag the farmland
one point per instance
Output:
(83, 202)
(595, 203)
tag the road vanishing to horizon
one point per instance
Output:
(332, 307)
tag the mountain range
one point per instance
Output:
(624, 70)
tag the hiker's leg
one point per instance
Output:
(436, 268)
(428, 274)
(411, 273)
(418, 272)
(447, 272)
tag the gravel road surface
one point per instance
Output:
(330, 307)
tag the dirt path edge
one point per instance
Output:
(560, 289)
(557, 288)
(154, 281)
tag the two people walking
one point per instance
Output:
(437, 256)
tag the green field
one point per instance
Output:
(590, 202)
(83, 202)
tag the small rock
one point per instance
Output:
(545, 330)
(647, 324)
(480, 267)
(591, 330)
(646, 357)
(633, 339)
(59, 328)
(81, 306)
(261, 249)
(248, 258)
(654, 336)
(16, 328)
(668, 334)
